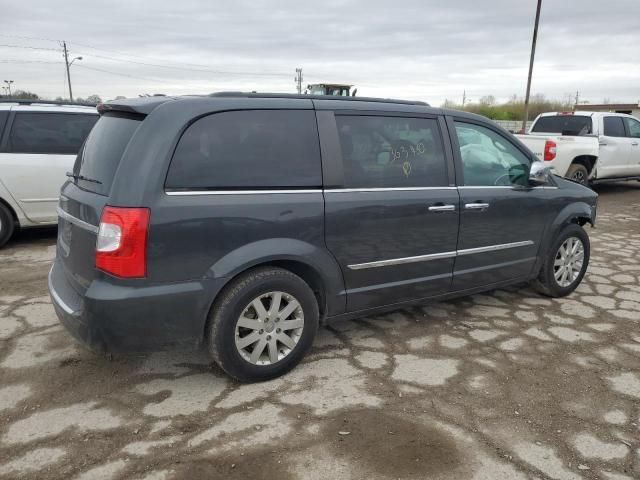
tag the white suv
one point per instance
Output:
(39, 142)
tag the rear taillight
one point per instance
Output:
(121, 248)
(549, 150)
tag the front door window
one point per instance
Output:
(489, 159)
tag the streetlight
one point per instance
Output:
(69, 75)
(8, 87)
(68, 64)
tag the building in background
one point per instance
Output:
(629, 108)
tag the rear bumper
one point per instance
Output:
(112, 318)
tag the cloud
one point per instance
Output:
(428, 50)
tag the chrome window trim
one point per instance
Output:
(76, 221)
(57, 298)
(183, 193)
(385, 189)
(186, 193)
(438, 256)
(510, 187)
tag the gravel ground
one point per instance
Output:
(506, 385)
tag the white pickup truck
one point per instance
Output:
(587, 147)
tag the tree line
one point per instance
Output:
(512, 109)
(26, 95)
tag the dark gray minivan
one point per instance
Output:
(243, 221)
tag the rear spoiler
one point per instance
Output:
(140, 106)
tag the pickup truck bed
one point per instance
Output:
(563, 154)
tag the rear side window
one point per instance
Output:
(633, 126)
(248, 149)
(614, 127)
(52, 133)
(390, 152)
(103, 150)
(564, 125)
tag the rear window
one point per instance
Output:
(103, 150)
(564, 125)
(251, 149)
(50, 133)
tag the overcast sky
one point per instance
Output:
(426, 50)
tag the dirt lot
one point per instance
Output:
(507, 385)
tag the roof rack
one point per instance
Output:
(22, 101)
(316, 97)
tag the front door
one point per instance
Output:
(615, 149)
(392, 224)
(500, 215)
(633, 132)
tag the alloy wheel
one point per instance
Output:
(579, 177)
(568, 261)
(269, 328)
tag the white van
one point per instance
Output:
(39, 142)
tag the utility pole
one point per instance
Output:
(464, 97)
(66, 62)
(298, 80)
(533, 54)
(577, 97)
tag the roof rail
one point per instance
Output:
(23, 101)
(316, 97)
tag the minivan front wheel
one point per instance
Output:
(7, 225)
(262, 325)
(565, 263)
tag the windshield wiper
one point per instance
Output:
(82, 177)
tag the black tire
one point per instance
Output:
(7, 225)
(221, 327)
(546, 282)
(579, 174)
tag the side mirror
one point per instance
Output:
(539, 174)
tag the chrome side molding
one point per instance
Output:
(438, 256)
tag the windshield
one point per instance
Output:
(100, 157)
(564, 125)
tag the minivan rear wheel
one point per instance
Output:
(262, 324)
(565, 264)
(7, 225)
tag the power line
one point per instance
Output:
(29, 61)
(120, 74)
(23, 37)
(206, 70)
(219, 72)
(30, 48)
(199, 65)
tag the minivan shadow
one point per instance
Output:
(28, 236)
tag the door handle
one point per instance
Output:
(635, 144)
(442, 208)
(476, 206)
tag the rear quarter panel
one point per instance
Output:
(214, 237)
